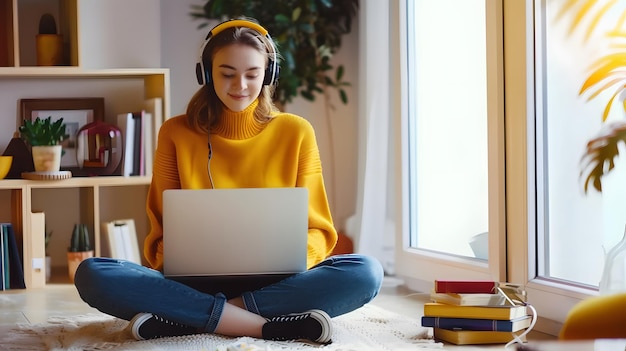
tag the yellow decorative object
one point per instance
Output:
(49, 50)
(596, 317)
(5, 165)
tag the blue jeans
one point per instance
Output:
(337, 285)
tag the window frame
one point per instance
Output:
(512, 252)
(552, 299)
(442, 265)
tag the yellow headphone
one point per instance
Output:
(272, 71)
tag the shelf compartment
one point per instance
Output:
(28, 15)
(7, 30)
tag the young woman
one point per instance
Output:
(250, 144)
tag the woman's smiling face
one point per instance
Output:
(237, 74)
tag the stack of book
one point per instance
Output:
(473, 312)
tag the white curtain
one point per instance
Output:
(371, 227)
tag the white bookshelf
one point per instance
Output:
(93, 69)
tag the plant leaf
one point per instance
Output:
(343, 96)
(600, 154)
(339, 74)
(296, 14)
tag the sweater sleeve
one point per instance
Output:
(322, 233)
(164, 176)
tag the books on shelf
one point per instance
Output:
(139, 135)
(11, 270)
(434, 309)
(121, 238)
(474, 337)
(451, 323)
(477, 299)
(127, 127)
(466, 286)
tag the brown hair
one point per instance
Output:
(205, 109)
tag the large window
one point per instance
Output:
(447, 105)
(572, 223)
(476, 115)
(452, 143)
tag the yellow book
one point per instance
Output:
(433, 309)
(474, 337)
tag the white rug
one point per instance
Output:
(368, 328)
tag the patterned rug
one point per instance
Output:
(368, 328)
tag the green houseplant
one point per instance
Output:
(80, 239)
(307, 34)
(43, 132)
(79, 249)
(45, 137)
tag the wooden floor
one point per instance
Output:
(61, 299)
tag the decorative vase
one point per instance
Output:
(74, 259)
(22, 157)
(99, 150)
(614, 274)
(49, 50)
(47, 158)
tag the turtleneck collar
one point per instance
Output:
(239, 125)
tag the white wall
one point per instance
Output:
(110, 38)
(180, 42)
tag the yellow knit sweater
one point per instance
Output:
(246, 154)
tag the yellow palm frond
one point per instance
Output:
(612, 65)
(604, 87)
(609, 104)
(567, 7)
(597, 17)
(593, 10)
(582, 12)
(619, 25)
(609, 62)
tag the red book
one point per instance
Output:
(466, 286)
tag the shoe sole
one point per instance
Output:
(324, 319)
(137, 322)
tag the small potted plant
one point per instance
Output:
(45, 137)
(79, 249)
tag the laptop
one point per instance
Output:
(242, 238)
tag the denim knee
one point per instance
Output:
(371, 275)
(84, 274)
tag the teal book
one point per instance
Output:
(4, 256)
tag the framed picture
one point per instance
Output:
(76, 112)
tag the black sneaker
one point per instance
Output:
(150, 326)
(313, 325)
